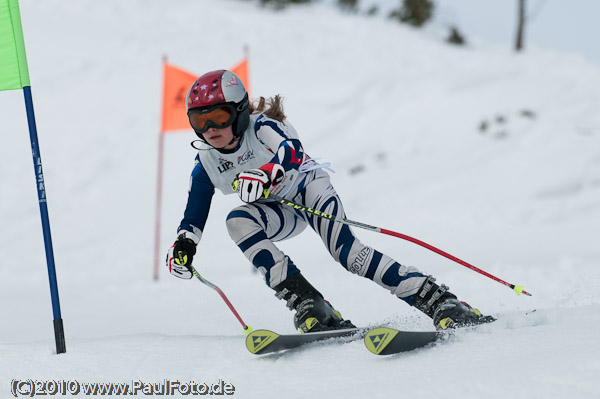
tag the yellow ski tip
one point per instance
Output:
(248, 330)
(258, 339)
(378, 338)
(518, 289)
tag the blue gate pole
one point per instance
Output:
(59, 333)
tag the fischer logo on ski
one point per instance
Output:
(259, 339)
(260, 342)
(388, 341)
(376, 340)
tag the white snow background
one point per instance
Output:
(397, 112)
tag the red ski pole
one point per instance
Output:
(247, 328)
(516, 288)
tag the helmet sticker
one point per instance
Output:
(232, 82)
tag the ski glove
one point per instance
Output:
(181, 254)
(251, 185)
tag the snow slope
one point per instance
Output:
(399, 115)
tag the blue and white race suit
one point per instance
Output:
(255, 227)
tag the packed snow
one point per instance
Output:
(489, 155)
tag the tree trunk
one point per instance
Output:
(520, 26)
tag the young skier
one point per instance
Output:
(252, 148)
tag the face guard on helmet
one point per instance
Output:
(218, 99)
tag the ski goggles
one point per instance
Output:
(218, 116)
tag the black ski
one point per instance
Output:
(387, 341)
(260, 342)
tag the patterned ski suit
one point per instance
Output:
(255, 227)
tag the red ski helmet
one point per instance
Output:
(220, 87)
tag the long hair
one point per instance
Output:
(272, 107)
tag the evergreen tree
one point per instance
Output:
(414, 12)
